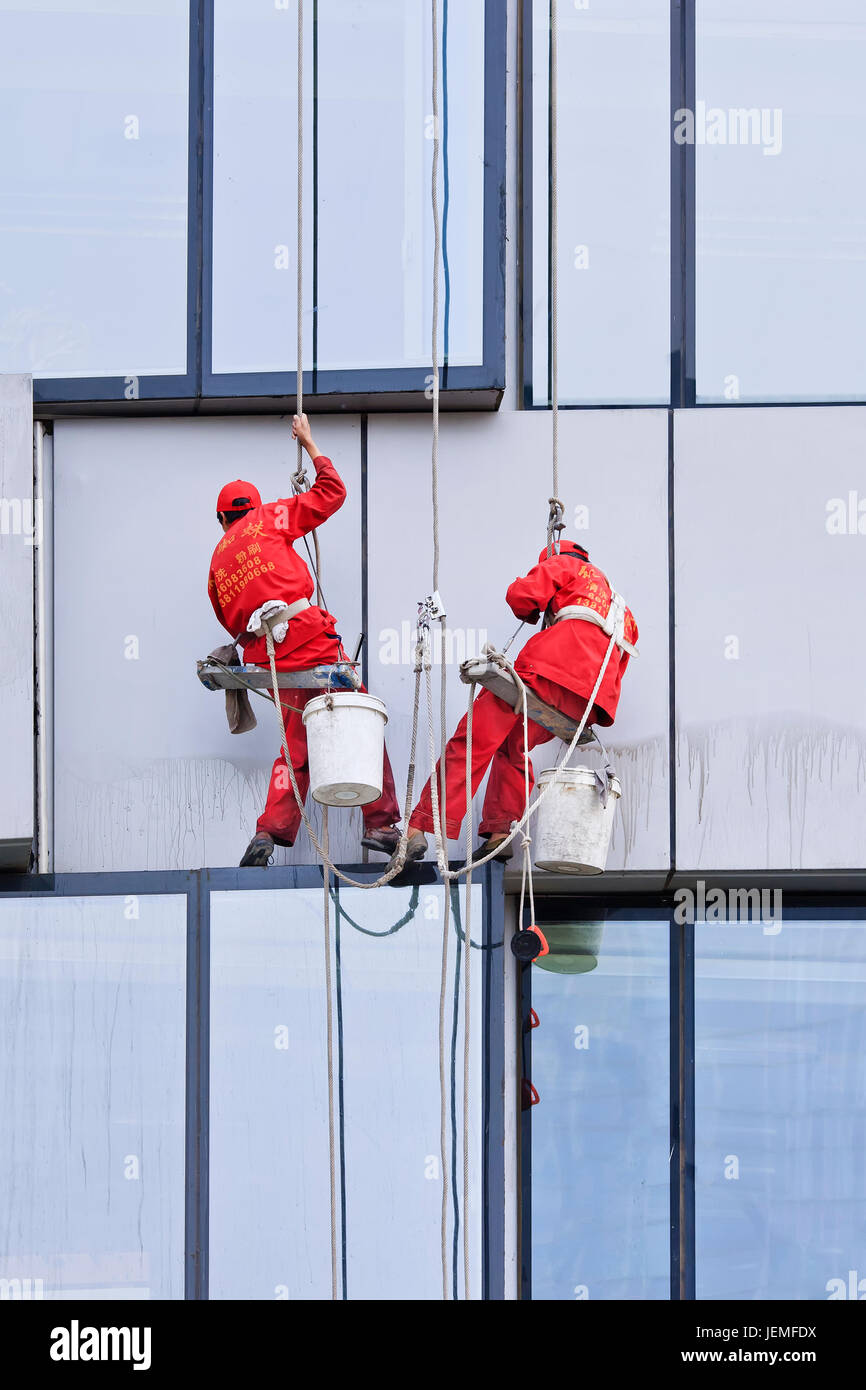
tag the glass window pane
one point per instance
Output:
(270, 1238)
(600, 1132)
(780, 1036)
(780, 131)
(93, 997)
(614, 201)
(93, 187)
(370, 219)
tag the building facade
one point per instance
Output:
(686, 1120)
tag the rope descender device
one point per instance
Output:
(430, 609)
(555, 524)
(530, 943)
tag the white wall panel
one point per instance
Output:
(494, 486)
(148, 775)
(17, 519)
(770, 671)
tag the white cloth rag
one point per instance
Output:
(270, 609)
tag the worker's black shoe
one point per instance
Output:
(490, 844)
(383, 841)
(259, 852)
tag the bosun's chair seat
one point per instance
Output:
(339, 676)
(477, 671)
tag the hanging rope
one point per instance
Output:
(466, 991)
(329, 1010)
(299, 479)
(300, 484)
(439, 794)
(400, 854)
(423, 662)
(532, 810)
(556, 507)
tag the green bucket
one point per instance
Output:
(574, 949)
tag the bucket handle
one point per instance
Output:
(604, 778)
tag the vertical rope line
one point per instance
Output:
(299, 481)
(299, 392)
(554, 255)
(467, 918)
(446, 199)
(443, 986)
(329, 1010)
(299, 251)
(437, 253)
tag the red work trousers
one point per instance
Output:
(281, 818)
(497, 737)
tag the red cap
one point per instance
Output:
(566, 548)
(237, 496)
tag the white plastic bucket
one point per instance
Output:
(345, 747)
(573, 826)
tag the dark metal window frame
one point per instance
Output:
(199, 389)
(683, 250)
(807, 897)
(196, 886)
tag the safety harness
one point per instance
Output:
(613, 624)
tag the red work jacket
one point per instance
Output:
(570, 652)
(255, 561)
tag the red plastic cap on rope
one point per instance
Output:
(566, 548)
(528, 1094)
(238, 496)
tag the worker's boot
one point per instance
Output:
(489, 845)
(259, 852)
(416, 848)
(383, 840)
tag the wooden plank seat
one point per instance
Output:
(339, 675)
(480, 671)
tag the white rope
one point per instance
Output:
(400, 853)
(438, 792)
(467, 946)
(299, 253)
(329, 1008)
(554, 262)
(531, 810)
(299, 484)
(439, 797)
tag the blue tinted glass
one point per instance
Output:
(369, 216)
(600, 1132)
(92, 991)
(780, 1038)
(780, 134)
(94, 110)
(614, 201)
(269, 1143)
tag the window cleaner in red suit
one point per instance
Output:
(561, 665)
(254, 562)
